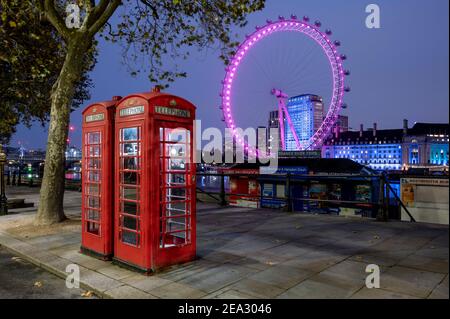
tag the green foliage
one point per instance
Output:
(156, 35)
(31, 56)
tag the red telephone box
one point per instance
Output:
(155, 222)
(97, 179)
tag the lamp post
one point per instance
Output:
(3, 199)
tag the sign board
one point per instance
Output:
(300, 170)
(426, 199)
(164, 110)
(300, 154)
(135, 110)
(95, 117)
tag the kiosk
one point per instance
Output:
(155, 222)
(97, 179)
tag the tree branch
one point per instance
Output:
(55, 19)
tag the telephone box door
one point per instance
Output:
(177, 227)
(131, 215)
(97, 180)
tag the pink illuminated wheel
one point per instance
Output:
(329, 48)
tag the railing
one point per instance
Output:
(222, 196)
(377, 182)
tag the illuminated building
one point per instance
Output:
(424, 145)
(306, 112)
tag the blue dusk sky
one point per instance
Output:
(398, 71)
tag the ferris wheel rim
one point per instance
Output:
(335, 61)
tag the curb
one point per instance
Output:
(28, 252)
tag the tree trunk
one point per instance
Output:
(51, 199)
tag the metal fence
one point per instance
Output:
(386, 205)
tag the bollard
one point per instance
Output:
(223, 200)
(288, 193)
(14, 183)
(3, 199)
(381, 216)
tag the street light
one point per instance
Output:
(3, 199)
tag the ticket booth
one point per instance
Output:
(97, 179)
(155, 223)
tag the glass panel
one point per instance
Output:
(176, 224)
(94, 176)
(94, 163)
(93, 214)
(129, 237)
(130, 149)
(129, 178)
(94, 138)
(94, 151)
(130, 134)
(175, 150)
(177, 207)
(130, 163)
(177, 164)
(93, 202)
(93, 228)
(176, 179)
(93, 189)
(129, 222)
(129, 208)
(175, 194)
(176, 135)
(131, 193)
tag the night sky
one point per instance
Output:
(398, 71)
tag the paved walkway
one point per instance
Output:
(21, 280)
(248, 253)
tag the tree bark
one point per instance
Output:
(50, 209)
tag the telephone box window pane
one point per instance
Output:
(93, 215)
(130, 163)
(177, 165)
(129, 237)
(130, 134)
(93, 189)
(176, 194)
(176, 135)
(94, 163)
(176, 179)
(177, 207)
(129, 178)
(93, 228)
(130, 149)
(94, 176)
(130, 208)
(94, 138)
(94, 202)
(129, 222)
(131, 193)
(175, 150)
(176, 225)
(94, 151)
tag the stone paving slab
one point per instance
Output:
(254, 253)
